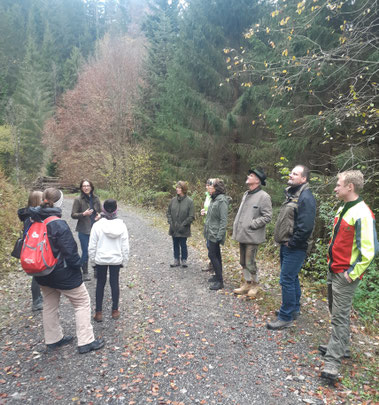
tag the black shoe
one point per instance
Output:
(95, 345)
(212, 279)
(323, 348)
(64, 341)
(295, 315)
(218, 285)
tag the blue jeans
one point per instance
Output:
(84, 241)
(291, 261)
(180, 244)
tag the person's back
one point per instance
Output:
(65, 279)
(108, 249)
(112, 246)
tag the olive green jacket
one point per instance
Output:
(217, 219)
(80, 205)
(180, 215)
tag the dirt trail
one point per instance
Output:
(176, 342)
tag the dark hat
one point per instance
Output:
(260, 174)
(110, 206)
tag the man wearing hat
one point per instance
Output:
(249, 229)
(293, 230)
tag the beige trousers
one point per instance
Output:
(80, 300)
(248, 254)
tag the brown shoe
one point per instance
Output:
(115, 314)
(254, 290)
(209, 267)
(244, 289)
(98, 317)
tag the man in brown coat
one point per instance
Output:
(249, 229)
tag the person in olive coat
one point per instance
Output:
(215, 230)
(86, 209)
(180, 215)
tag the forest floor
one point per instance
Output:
(176, 341)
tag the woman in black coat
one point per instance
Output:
(66, 279)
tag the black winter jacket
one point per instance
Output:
(66, 274)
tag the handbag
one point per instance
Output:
(16, 252)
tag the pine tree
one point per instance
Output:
(33, 101)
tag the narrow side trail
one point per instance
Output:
(176, 341)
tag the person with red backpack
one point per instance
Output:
(65, 277)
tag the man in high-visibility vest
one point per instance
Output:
(352, 248)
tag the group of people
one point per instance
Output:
(353, 245)
(104, 241)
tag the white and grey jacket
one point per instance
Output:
(109, 242)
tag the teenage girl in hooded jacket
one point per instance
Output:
(108, 248)
(66, 279)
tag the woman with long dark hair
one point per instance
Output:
(86, 210)
(66, 279)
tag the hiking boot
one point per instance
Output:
(115, 314)
(295, 315)
(86, 276)
(255, 287)
(217, 285)
(64, 341)
(98, 316)
(37, 305)
(243, 289)
(208, 268)
(184, 263)
(95, 345)
(323, 349)
(176, 263)
(330, 372)
(278, 324)
(212, 279)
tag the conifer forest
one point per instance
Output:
(137, 94)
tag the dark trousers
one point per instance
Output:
(180, 245)
(214, 254)
(114, 272)
(36, 292)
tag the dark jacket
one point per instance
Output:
(66, 274)
(296, 217)
(24, 216)
(81, 204)
(217, 219)
(180, 215)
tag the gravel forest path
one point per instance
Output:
(176, 341)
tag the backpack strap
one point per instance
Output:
(50, 219)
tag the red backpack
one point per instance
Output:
(37, 257)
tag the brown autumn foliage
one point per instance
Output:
(91, 133)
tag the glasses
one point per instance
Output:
(86, 186)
